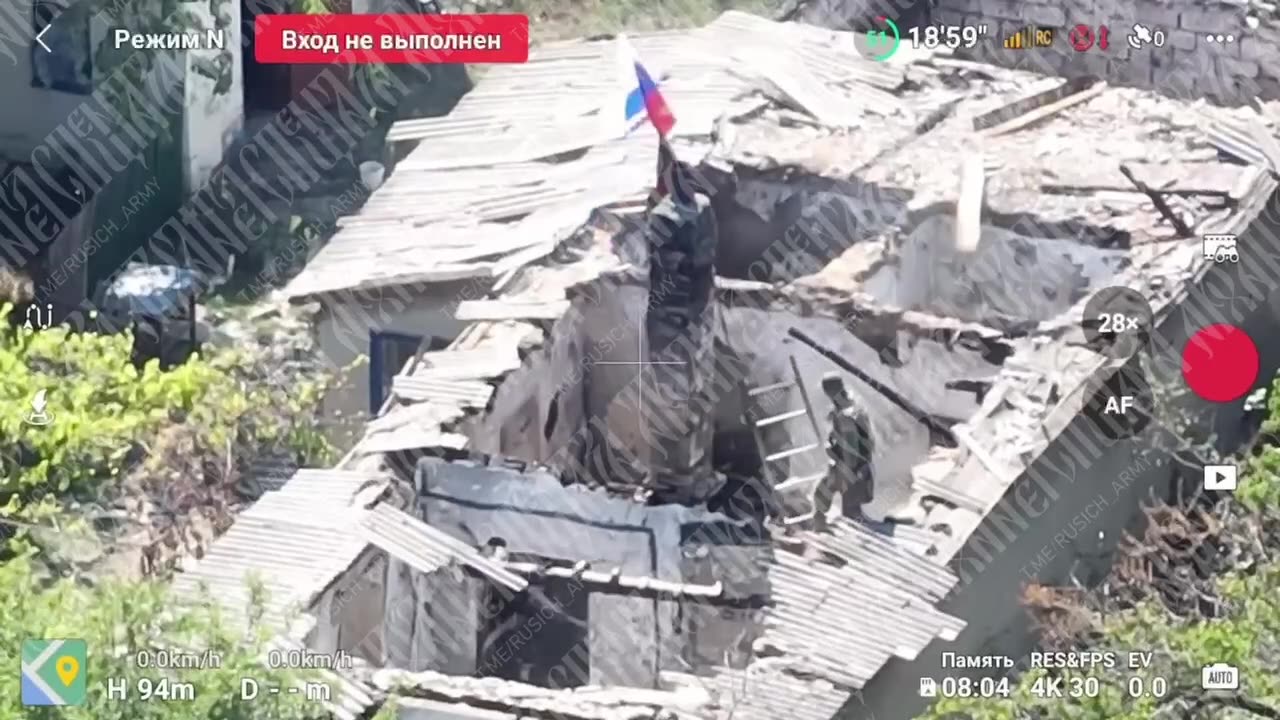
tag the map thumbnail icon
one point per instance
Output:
(53, 672)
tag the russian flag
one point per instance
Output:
(643, 96)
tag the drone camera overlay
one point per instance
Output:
(618, 360)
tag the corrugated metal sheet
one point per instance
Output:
(463, 393)
(1242, 142)
(567, 87)
(413, 240)
(267, 475)
(772, 690)
(293, 562)
(428, 549)
(845, 623)
(884, 559)
(295, 541)
(447, 210)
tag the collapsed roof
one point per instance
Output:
(804, 125)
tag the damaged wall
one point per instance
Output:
(758, 339)
(349, 612)
(431, 621)
(779, 226)
(572, 404)
(535, 514)
(752, 346)
(343, 333)
(1008, 276)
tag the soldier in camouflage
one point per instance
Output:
(850, 448)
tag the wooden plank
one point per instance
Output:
(1049, 91)
(464, 358)
(481, 364)
(1158, 200)
(493, 367)
(511, 310)
(410, 438)
(1035, 108)
(973, 178)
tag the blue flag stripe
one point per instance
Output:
(635, 104)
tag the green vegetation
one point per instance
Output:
(1208, 592)
(122, 428)
(165, 450)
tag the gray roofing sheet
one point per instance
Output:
(295, 541)
(426, 548)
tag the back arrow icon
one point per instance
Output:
(41, 34)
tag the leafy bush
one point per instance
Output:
(173, 439)
(114, 425)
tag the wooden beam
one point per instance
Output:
(1158, 200)
(973, 178)
(511, 310)
(614, 581)
(1031, 110)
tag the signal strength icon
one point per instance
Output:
(1029, 37)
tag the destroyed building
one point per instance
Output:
(594, 501)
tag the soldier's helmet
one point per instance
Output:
(833, 384)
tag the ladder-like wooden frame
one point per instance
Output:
(787, 487)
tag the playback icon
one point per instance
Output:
(1221, 478)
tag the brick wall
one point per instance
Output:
(1188, 65)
